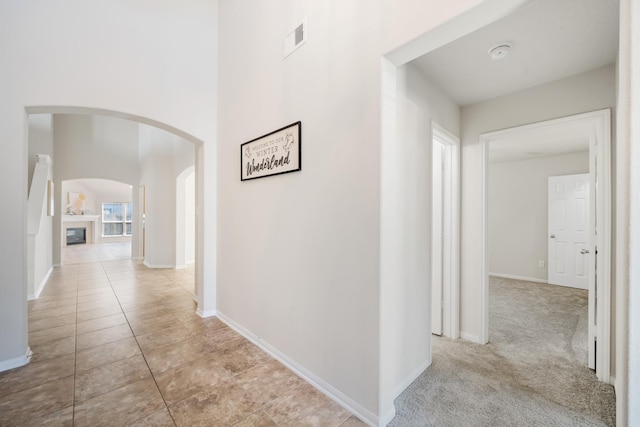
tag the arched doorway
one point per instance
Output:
(206, 298)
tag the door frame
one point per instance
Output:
(599, 123)
(451, 251)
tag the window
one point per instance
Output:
(116, 219)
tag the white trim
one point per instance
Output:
(327, 389)
(40, 287)
(602, 126)
(484, 258)
(612, 380)
(511, 276)
(159, 265)
(386, 419)
(411, 378)
(16, 362)
(470, 337)
(451, 292)
(206, 313)
(600, 121)
(568, 286)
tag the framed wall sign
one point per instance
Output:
(275, 153)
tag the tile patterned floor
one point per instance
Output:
(117, 344)
(95, 252)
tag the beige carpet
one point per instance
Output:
(532, 373)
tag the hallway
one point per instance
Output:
(115, 343)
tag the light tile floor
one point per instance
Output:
(116, 344)
(95, 252)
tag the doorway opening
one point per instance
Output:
(140, 150)
(445, 232)
(595, 129)
(103, 209)
(185, 218)
(185, 225)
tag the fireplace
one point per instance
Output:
(76, 236)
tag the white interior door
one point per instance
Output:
(568, 225)
(571, 251)
(437, 237)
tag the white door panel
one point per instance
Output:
(569, 230)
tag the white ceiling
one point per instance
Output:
(552, 39)
(530, 142)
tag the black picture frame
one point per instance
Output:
(274, 153)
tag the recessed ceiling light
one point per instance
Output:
(500, 50)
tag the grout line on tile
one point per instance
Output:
(142, 353)
(75, 356)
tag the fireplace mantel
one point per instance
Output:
(80, 218)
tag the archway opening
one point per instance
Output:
(113, 145)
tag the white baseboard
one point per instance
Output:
(411, 378)
(511, 276)
(181, 266)
(16, 362)
(325, 388)
(569, 286)
(612, 381)
(386, 419)
(470, 337)
(206, 313)
(40, 288)
(159, 265)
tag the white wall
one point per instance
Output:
(40, 251)
(185, 217)
(298, 260)
(123, 56)
(40, 139)
(190, 219)
(163, 156)
(185, 202)
(91, 146)
(517, 204)
(406, 242)
(585, 92)
(317, 232)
